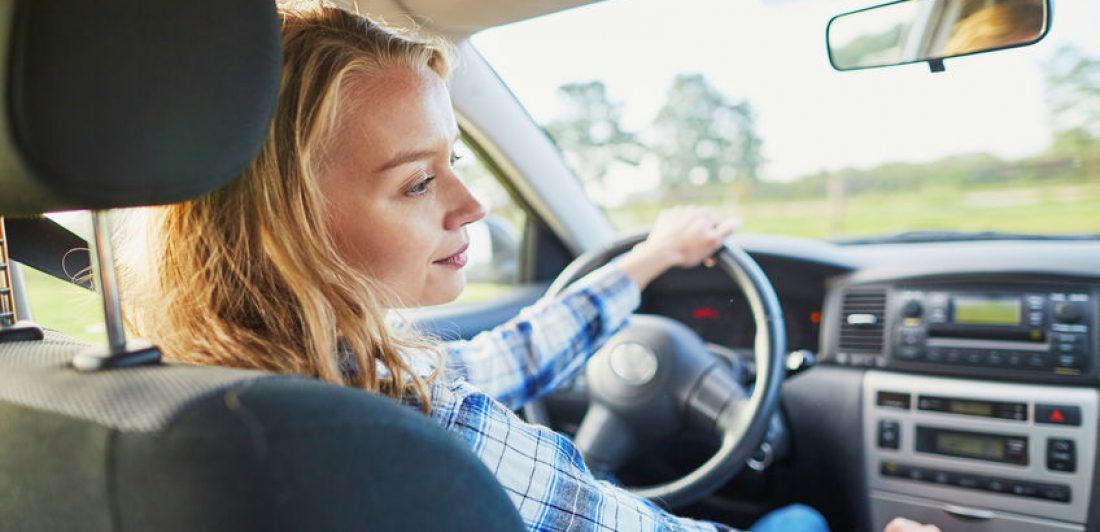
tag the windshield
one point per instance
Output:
(734, 105)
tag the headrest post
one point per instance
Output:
(106, 280)
(11, 329)
(119, 352)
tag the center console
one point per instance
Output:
(979, 399)
(996, 456)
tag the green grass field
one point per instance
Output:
(1049, 208)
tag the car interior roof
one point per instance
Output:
(458, 20)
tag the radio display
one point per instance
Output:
(970, 446)
(1005, 448)
(971, 408)
(987, 310)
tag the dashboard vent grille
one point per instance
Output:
(861, 321)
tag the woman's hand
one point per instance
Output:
(681, 236)
(900, 524)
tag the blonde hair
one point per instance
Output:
(249, 275)
(996, 26)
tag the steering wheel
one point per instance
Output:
(655, 377)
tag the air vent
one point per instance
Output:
(861, 321)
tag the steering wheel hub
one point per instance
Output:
(633, 362)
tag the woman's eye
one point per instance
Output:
(455, 158)
(420, 187)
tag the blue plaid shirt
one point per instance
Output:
(500, 370)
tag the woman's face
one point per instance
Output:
(398, 212)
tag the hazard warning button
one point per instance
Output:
(1057, 414)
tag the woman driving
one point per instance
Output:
(351, 209)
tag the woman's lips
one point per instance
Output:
(456, 260)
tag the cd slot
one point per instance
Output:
(1020, 334)
(971, 343)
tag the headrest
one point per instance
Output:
(118, 103)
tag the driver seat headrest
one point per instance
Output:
(120, 103)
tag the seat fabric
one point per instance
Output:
(220, 449)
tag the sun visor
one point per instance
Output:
(119, 103)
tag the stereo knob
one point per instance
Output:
(912, 309)
(1068, 312)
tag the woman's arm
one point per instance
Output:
(551, 340)
(548, 342)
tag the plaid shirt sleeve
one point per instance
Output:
(499, 370)
(542, 472)
(548, 342)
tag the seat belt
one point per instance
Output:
(49, 247)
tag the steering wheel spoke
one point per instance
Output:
(604, 439)
(715, 401)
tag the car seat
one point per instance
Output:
(121, 103)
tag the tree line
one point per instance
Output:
(700, 136)
(705, 140)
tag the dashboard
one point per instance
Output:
(710, 303)
(957, 381)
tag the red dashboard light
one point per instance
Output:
(815, 317)
(704, 313)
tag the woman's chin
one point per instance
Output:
(445, 292)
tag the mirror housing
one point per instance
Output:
(913, 31)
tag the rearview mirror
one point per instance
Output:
(910, 31)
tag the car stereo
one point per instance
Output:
(1020, 329)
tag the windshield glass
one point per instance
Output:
(734, 105)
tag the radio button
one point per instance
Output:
(1025, 489)
(889, 432)
(933, 354)
(1036, 361)
(1061, 455)
(1068, 312)
(1056, 493)
(1015, 360)
(912, 308)
(1057, 414)
(995, 485)
(974, 358)
(893, 469)
(995, 359)
(918, 474)
(968, 481)
(1067, 348)
(909, 352)
(1071, 361)
(953, 356)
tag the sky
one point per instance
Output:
(773, 54)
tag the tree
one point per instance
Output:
(1073, 93)
(589, 133)
(703, 137)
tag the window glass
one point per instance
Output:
(494, 251)
(735, 105)
(63, 306)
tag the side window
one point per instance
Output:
(63, 306)
(60, 305)
(494, 252)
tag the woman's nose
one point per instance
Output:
(465, 208)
